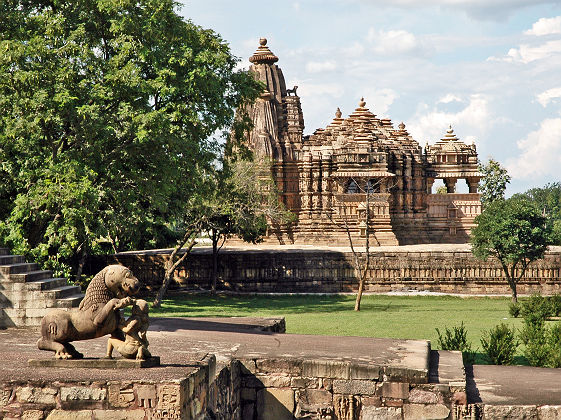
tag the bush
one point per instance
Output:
(534, 336)
(555, 305)
(535, 309)
(455, 339)
(514, 310)
(500, 344)
(554, 345)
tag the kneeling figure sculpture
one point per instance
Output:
(97, 315)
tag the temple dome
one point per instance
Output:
(263, 54)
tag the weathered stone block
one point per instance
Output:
(365, 372)
(299, 382)
(33, 415)
(520, 412)
(5, 395)
(381, 413)
(37, 395)
(274, 381)
(146, 395)
(549, 412)
(66, 415)
(326, 369)
(286, 366)
(354, 387)
(421, 411)
(371, 401)
(81, 393)
(119, 414)
(422, 396)
(275, 404)
(121, 395)
(313, 397)
(399, 390)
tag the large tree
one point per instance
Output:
(515, 232)
(494, 182)
(106, 108)
(548, 200)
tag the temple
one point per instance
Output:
(360, 175)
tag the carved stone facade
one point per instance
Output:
(359, 172)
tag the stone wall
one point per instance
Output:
(199, 393)
(325, 271)
(285, 389)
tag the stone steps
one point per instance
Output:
(28, 293)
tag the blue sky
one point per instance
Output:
(490, 68)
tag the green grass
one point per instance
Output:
(407, 317)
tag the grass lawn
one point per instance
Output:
(413, 317)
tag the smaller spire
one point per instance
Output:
(263, 55)
(362, 103)
(338, 113)
(401, 126)
(450, 136)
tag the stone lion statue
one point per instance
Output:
(97, 315)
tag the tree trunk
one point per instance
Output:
(359, 293)
(169, 269)
(81, 263)
(362, 274)
(214, 261)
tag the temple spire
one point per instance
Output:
(263, 55)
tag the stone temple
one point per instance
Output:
(359, 171)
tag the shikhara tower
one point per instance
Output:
(361, 163)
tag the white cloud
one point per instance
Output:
(307, 89)
(296, 6)
(431, 123)
(546, 26)
(527, 53)
(548, 96)
(540, 152)
(392, 42)
(320, 66)
(378, 100)
(446, 99)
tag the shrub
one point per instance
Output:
(534, 337)
(455, 339)
(500, 344)
(514, 310)
(554, 345)
(555, 305)
(535, 309)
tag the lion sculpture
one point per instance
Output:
(97, 315)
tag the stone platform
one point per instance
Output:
(233, 369)
(95, 363)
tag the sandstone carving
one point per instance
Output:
(134, 328)
(98, 315)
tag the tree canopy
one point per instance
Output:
(106, 111)
(494, 182)
(548, 200)
(515, 232)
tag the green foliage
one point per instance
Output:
(514, 309)
(534, 336)
(494, 182)
(455, 339)
(535, 309)
(515, 232)
(555, 305)
(106, 111)
(554, 345)
(548, 200)
(499, 344)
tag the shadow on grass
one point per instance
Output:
(228, 305)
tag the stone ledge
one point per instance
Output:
(95, 363)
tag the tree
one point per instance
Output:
(515, 232)
(107, 108)
(494, 182)
(361, 265)
(238, 200)
(548, 200)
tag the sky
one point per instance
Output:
(489, 68)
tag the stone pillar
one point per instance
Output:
(473, 184)
(430, 183)
(450, 185)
